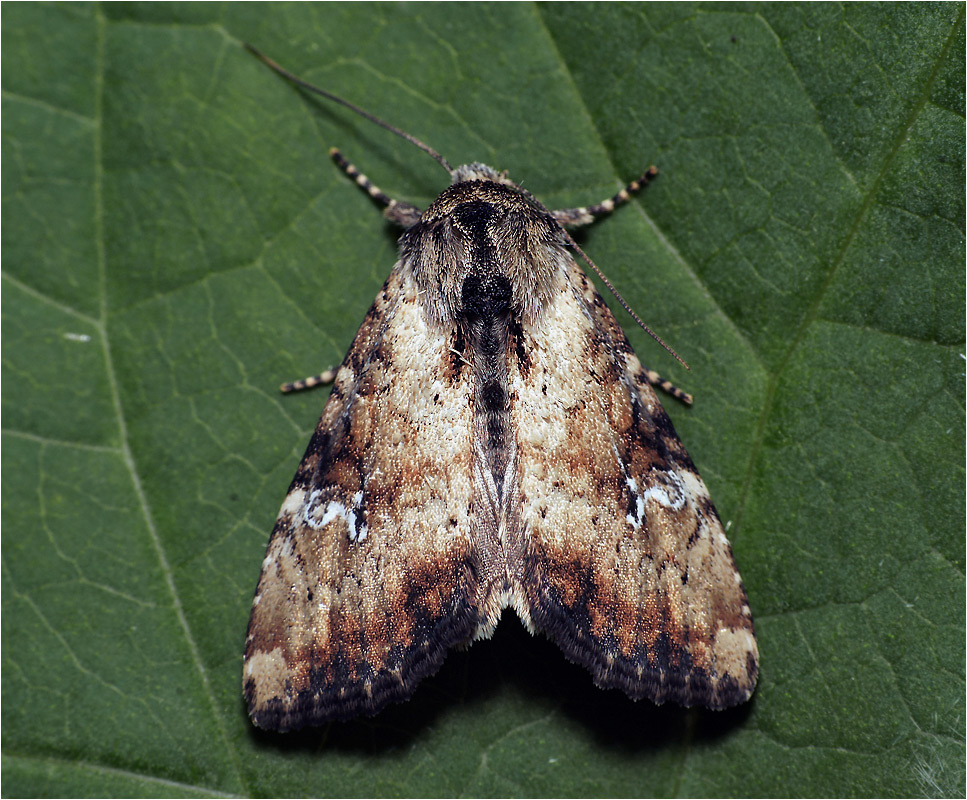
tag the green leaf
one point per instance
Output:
(177, 244)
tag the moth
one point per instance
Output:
(491, 441)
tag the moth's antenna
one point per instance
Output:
(306, 85)
(624, 304)
(446, 165)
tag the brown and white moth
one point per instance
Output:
(492, 441)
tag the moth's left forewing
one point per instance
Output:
(370, 573)
(624, 561)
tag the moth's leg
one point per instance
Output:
(573, 217)
(667, 386)
(401, 213)
(307, 383)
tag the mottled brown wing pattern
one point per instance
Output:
(370, 574)
(491, 440)
(625, 563)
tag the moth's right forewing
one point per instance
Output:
(623, 560)
(371, 574)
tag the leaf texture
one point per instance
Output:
(177, 244)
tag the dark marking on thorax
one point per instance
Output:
(485, 296)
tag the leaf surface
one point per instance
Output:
(177, 243)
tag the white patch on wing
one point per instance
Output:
(317, 516)
(669, 492)
(660, 494)
(635, 521)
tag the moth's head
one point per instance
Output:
(479, 172)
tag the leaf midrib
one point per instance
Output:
(812, 310)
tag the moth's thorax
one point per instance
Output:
(486, 230)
